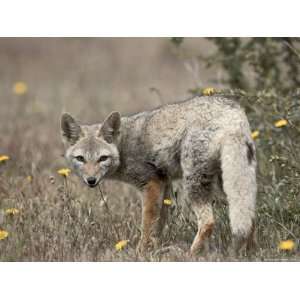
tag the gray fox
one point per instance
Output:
(197, 141)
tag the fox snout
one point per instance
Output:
(91, 178)
(91, 181)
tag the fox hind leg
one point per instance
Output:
(199, 192)
(198, 187)
(205, 222)
(198, 172)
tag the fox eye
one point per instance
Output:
(102, 158)
(80, 158)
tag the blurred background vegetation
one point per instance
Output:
(60, 219)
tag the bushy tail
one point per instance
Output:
(238, 163)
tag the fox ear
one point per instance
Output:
(71, 130)
(110, 127)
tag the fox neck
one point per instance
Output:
(132, 158)
(123, 138)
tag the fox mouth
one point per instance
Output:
(92, 185)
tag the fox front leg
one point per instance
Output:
(153, 215)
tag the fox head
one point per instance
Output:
(92, 150)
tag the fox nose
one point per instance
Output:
(91, 180)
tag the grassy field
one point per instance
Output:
(60, 219)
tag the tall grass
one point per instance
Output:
(60, 219)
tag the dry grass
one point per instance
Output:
(62, 220)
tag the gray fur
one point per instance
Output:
(196, 141)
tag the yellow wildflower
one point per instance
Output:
(167, 202)
(29, 178)
(281, 123)
(287, 245)
(121, 245)
(255, 134)
(4, 158)
(20, 88)
(208, 91)
(3, 234)
(12, 211)
(64, 172)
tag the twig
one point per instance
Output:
(109, 213)
(290, 232)
(67, 187)
(157, 92)
(292, 48)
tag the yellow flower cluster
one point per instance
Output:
(64, 172)
(3, 234)
(121, 245)
(208, 91)
(20, 88)
(287, 245)
(167, 202)
(281, 123)
(255, 134)
(4, 158)
(12, 211)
